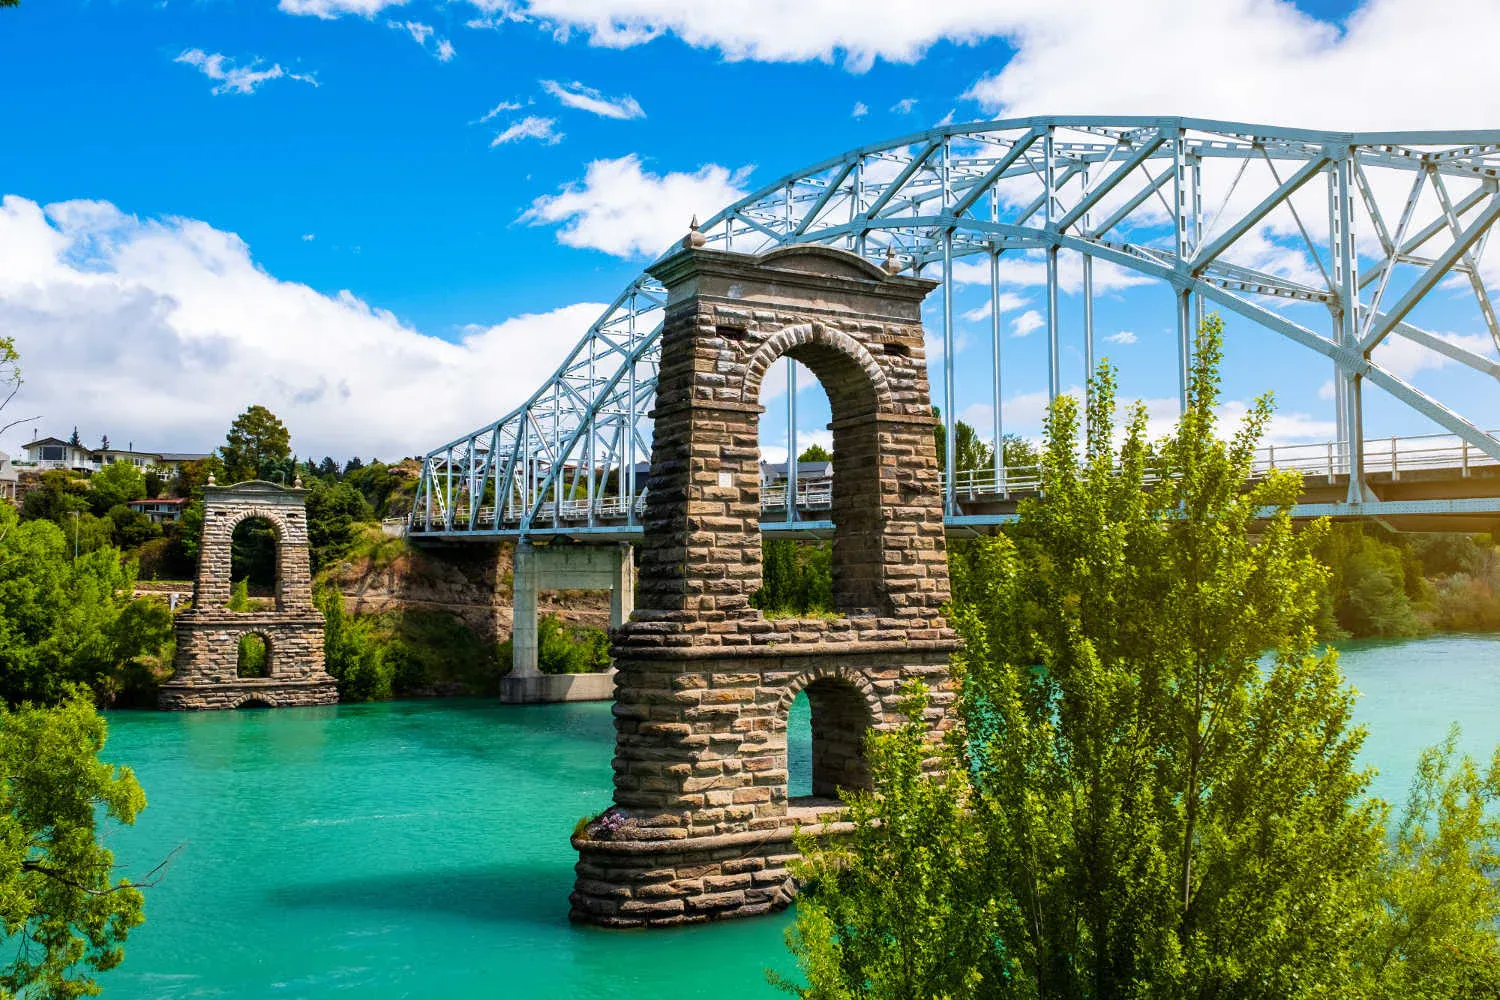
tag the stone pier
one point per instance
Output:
(562, 567)
(702, 824)
(206, 671)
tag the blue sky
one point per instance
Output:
(303, 203)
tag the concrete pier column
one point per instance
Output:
(622, 588)
(524, 580)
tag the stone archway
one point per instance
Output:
(701, 828)
(206, 671)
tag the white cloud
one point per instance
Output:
(1067, 55)
(628, 212)
(576, 95)
(1123, 337)
(1325, 391)
(308, 237)
(232, 79)
(530, 127)
(1029, 271)
(419, 32)
(422, 34)
(1404, 358)
(904, 106)
(1008, 302)
(503, 106)
(945, 120)
(330, 9)
(1027, 323)
(161, 331)
(860, 110)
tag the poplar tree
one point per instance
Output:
(1152, 791)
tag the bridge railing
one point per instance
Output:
(1394, 456)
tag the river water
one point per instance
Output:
(420, 849)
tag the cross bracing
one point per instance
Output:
(1331, 240)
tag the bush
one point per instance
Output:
(564, 649)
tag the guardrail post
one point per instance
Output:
(1395, 466)
(1330, 461)
(1464, 460)
(1271, 456)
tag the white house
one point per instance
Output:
(55, 453)
(8, 478)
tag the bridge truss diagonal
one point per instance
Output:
(1259, 221)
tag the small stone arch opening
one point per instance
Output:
(253, 656)
(255, 564)
(837, 718)
(253, 703)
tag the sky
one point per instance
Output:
(389, 221)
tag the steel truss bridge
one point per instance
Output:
(1333, 241)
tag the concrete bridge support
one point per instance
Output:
(562, 567)
(702, 825)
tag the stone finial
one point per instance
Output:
(694, 239)
(211, 480)
(297, 483)
(891, 265)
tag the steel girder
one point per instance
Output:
(1364, 224)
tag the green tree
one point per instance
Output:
(256, 443)
(66, 621)
(972, 453)
(815, 453)
(1159, 795)
(64, 914)
(115, 484)
(334, 513)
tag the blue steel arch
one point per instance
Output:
(1404, 211)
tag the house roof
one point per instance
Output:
(173, 501)
(46, 440)
(181, 456)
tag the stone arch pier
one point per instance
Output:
(702, 823)
(205, 672)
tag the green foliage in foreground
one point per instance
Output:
(1135, 804)
(65, 621)
(65, 916)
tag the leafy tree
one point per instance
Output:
(58, 494)
(130, 528)
(333, 515)
(353, 465)
(257, 441)
(1153, 790)
(328, 468)
(115, 484)
(153, 484)
(75, 440)
(815, 453)
(796, 577)
(63, 911)
(104, 443)
(66, 621)
(252, 553)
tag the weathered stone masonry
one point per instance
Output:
(208, 635)
(702, 824)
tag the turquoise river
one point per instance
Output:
(420, 849)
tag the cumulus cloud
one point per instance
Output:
(444, 51)
(530, 127)
(233, 79)
(860, 110)
(1123, 337)
(576, 95)
(904, 106)
(1027, 323)
(1007, 301)
(161, 331)
(627, 211)
(1031, 270)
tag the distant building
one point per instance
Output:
(9, 479)
(55, 453)
(774, 473)
(163, 510)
